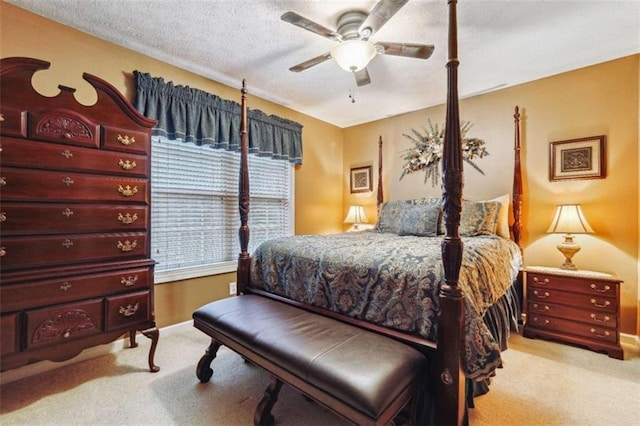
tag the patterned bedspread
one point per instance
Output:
(393, 281)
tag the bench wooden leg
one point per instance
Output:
(263, 416)
(204, 370)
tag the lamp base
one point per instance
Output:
(568, 248)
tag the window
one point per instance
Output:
(194, 207)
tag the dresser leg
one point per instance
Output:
(132, 339)
(153, 334)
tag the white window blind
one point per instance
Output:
(194, 207)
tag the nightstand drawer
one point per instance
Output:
(570, 327)
(580, 285)
(583, 301)
(589, 316)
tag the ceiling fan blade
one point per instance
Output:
(311, 62)
(309, 25)
(381, 13)
(409, 50)
(362, 77)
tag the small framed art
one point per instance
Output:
(582, 158)
(360, 180)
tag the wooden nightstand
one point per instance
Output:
(579, 307)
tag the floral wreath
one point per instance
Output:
(426, 152)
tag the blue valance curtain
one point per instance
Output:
(196, 116)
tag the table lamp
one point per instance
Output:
(356, 216)
(569, 220)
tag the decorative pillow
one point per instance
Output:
(478, 218)
(432, 201)
(389, 216)
(420, 220)
(502, 227)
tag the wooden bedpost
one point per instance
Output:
(450, 397)
(380, 190)
(243, 198)
(516, 229)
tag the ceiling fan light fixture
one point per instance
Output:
(353, 55)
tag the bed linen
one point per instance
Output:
(392, 281)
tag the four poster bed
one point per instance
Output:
(409, 279)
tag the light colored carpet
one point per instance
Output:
(542, 383)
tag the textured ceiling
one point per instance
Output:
(501, 44)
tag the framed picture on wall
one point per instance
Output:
(582, 158)
(360, 180)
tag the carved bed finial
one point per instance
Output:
(380, 189)
(243, 197)
(517, 182)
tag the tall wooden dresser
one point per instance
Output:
(75, 266)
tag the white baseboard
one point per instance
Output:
(630, 343)
(93, 352)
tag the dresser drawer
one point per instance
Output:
(23, 252)
(47, 292)
(8, 334)
(597, 302)
(50, 156)
(579, 285)
(62, 323)
(125, 140)
(127, 310)
(13, 122)
(563, 326)
(22, 184)
(38, 218)
(63, 126)
(589, 316)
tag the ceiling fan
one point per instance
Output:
(354, 50)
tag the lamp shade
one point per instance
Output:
(356, 215)
(353, 55)
(569, 219)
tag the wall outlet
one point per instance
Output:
(233, 288)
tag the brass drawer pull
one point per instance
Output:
(67, 212)
(65, 286)
(68, 181)
(605, 318)
(541, 295)
(127, 245)
(67, 243)
(541, 282)
(595, 303)
(3, 216)
(67, 154)
(604, 289)
(3, 181)
(600, 335)
(127, 218)
(540, 308)
(66, 135)
(126, 140)
(126, 164)
(129, 310)
(2, 251)
(127, 191)
(540, 322)
(129, 281)
(67, 333)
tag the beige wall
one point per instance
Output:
(318, 182)
(601, 99)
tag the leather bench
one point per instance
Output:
(360, 375)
